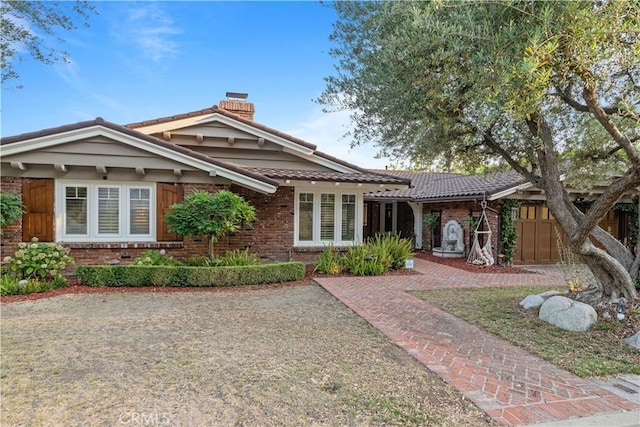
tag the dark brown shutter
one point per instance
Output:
(167, 195)
(37, 221)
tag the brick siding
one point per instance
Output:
(460, 211)
(270, 237)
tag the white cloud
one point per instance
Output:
(68, 71)
(150, 29)
(327, 131)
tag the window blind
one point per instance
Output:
(327, 216)
(108, 210)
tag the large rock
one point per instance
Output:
(634, 340)
(535, 301)
(568, 314)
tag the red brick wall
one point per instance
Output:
(270, 237)
(460, 211)
(11, 234)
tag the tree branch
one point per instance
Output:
(591, 98)
(603, 204)
(564, 95)
(492, 144)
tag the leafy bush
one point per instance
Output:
(400, 249)
(381, 259)
(12, 285)
(367, 260)
(203, 214)
(238, 258)
(329, 262)
(123, 275)
(8, 284)
(155, 257)
(38, 259)
(202, 261)
(373, 258)
(11, 208)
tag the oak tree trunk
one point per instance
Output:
(611, 267)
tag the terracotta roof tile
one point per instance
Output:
(434, 186)
(369, 177)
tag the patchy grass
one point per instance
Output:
(598, 352)
(253, 357)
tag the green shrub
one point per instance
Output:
(400, 250)
(329, 262)
(210, 215)
(367, 260)
(38, 259)
(8, 284)
(381, 259)
(355, 259)
(13, 285)
(155, 257)
(238, 258)
(11, 208)
(202, 261)
(123, 275)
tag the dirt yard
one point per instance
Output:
(286, 356)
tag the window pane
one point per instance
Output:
(305, 217)
(327, 216)
(348, 217)
(108, 210)
(139, 211)
(76, 209)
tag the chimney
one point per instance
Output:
(236, 103)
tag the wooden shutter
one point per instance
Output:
(167, 195)
(37, 221)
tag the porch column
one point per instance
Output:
(417, 222)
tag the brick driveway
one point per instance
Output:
(511, 385)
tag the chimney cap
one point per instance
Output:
(237, 96)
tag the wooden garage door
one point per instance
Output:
(537, 236)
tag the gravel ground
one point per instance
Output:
(284, 356)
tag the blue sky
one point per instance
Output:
(143, 60)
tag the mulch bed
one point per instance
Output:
(76, 288)
(462, 264)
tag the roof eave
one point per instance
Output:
(69, 133)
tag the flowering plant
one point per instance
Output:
(39, 259)
(155, 257)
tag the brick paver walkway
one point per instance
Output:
(511, 385)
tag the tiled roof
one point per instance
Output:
(216, 109)
(369, 177)
(435, 186)
(275, 132)
(101, 122)
(262, 174)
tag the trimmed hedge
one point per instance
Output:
(130, 275)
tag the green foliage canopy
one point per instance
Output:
(203, 214)
(11, 208)
(24, 25)
(551, 89)
(451, 84)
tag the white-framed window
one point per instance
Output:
(324, 216)
(101, 211)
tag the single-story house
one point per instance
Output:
(102, 188)
(453, 196)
